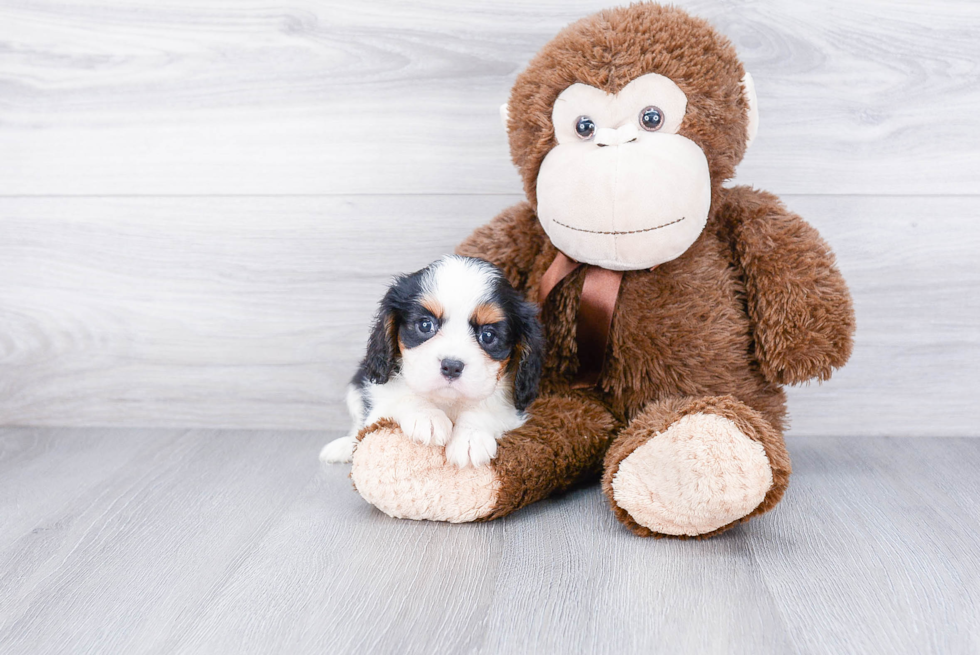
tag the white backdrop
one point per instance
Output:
(200, 203)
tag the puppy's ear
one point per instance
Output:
(382, 348)
(529, 353)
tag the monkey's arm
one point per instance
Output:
(512, 241)
(801, 310)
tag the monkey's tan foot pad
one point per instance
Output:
(699, 475)
(407, 480)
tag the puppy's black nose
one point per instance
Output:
(451, 368)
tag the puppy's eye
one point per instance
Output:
(425, 326)
(584, 127)
(487, 336)
(651, 118)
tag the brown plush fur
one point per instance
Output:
(531, 463)
(799, 304)
(755, 303)
(380, 424)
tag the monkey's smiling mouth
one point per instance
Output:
(646, 229)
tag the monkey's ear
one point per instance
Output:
(748, 88)
(382, 348)
(529, 354)
(505, 115)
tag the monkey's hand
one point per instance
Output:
(405, 479)
(801, 310)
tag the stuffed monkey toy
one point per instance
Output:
(675, 308)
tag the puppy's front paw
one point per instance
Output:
(471, 446)
(338, 450)
(428, 426)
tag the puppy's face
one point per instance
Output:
(455, 340)
(462, 331)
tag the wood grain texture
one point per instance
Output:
(252, 312)
(208, 495)
(332, 97)
(238, 542)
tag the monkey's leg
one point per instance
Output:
(563, 442)
(694, 467)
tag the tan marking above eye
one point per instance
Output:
(433, 306)
(487, 314)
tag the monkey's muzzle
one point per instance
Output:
(607, 136)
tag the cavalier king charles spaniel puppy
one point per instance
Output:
(454, 358)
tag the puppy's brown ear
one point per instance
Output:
(529, 353)
(382, 348)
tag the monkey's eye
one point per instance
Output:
(651, 118)
(424, 326)
(584, 127)
(487, 336)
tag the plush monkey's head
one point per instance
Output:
(623, 126)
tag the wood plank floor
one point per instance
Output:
(160, 541)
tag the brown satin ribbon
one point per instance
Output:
(595, 313)
(558, 271)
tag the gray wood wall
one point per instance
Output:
(201, 203)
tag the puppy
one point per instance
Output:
(454, 358)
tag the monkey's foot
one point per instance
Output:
(408, 480)
(700, 475)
